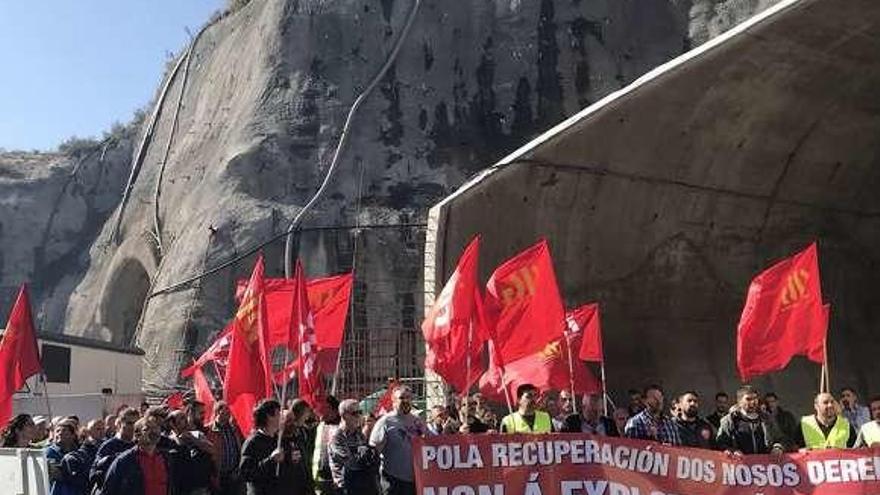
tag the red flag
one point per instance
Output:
(203, 394)
(385, 404)
(454, 328)
(329, 299)
(585, 320)
(548, 369)
(248, 377)
(19, 357)
(311, 386)
(218, 352)
(523, 303)
(174, 401)
(783, 316)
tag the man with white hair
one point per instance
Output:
(827, 429)
(392, 437)
(353, 463)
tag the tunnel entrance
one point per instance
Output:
(124, 300)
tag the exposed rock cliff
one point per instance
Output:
(263, 98)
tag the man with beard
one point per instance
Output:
(141, 470)
(827, 429)
(722, 408)
(590, 420)
(566, 409)
(392, 437)
(746, 430)
(855, 413)
(693, 430)
(652, 423)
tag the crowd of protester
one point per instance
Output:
(348, 451)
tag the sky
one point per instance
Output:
(74, 67)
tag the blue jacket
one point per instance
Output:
(126, 478)
(60, 484)
(107, 453)
(75, 467)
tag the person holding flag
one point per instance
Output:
(527, 419)
(827, 429)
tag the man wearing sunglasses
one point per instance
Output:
(353, 463)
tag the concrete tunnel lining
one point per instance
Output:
(665, 198)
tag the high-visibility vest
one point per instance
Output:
(514, 423)
(815, 439)
(871, 433)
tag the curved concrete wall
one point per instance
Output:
(665, 200)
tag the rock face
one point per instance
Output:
(265, 95)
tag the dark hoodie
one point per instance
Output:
(756, 435)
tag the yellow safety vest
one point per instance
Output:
(514, 423)
(871, 433)
(815, 439)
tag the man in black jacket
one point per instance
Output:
(590, 419)
(266, 469)
(353, 463)
(77, 464)
(748, 430)
(722, 408)
(141, 469)
(111, 448)
(693, 430)
(193, 452)
(786, 421)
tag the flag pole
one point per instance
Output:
(506, 392)
(470, 342)
(504, 386)
(826, 374)
(571, 372)
(46, 393)
(604, 387)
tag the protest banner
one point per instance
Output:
(581, 464)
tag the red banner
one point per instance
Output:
(581, 464)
